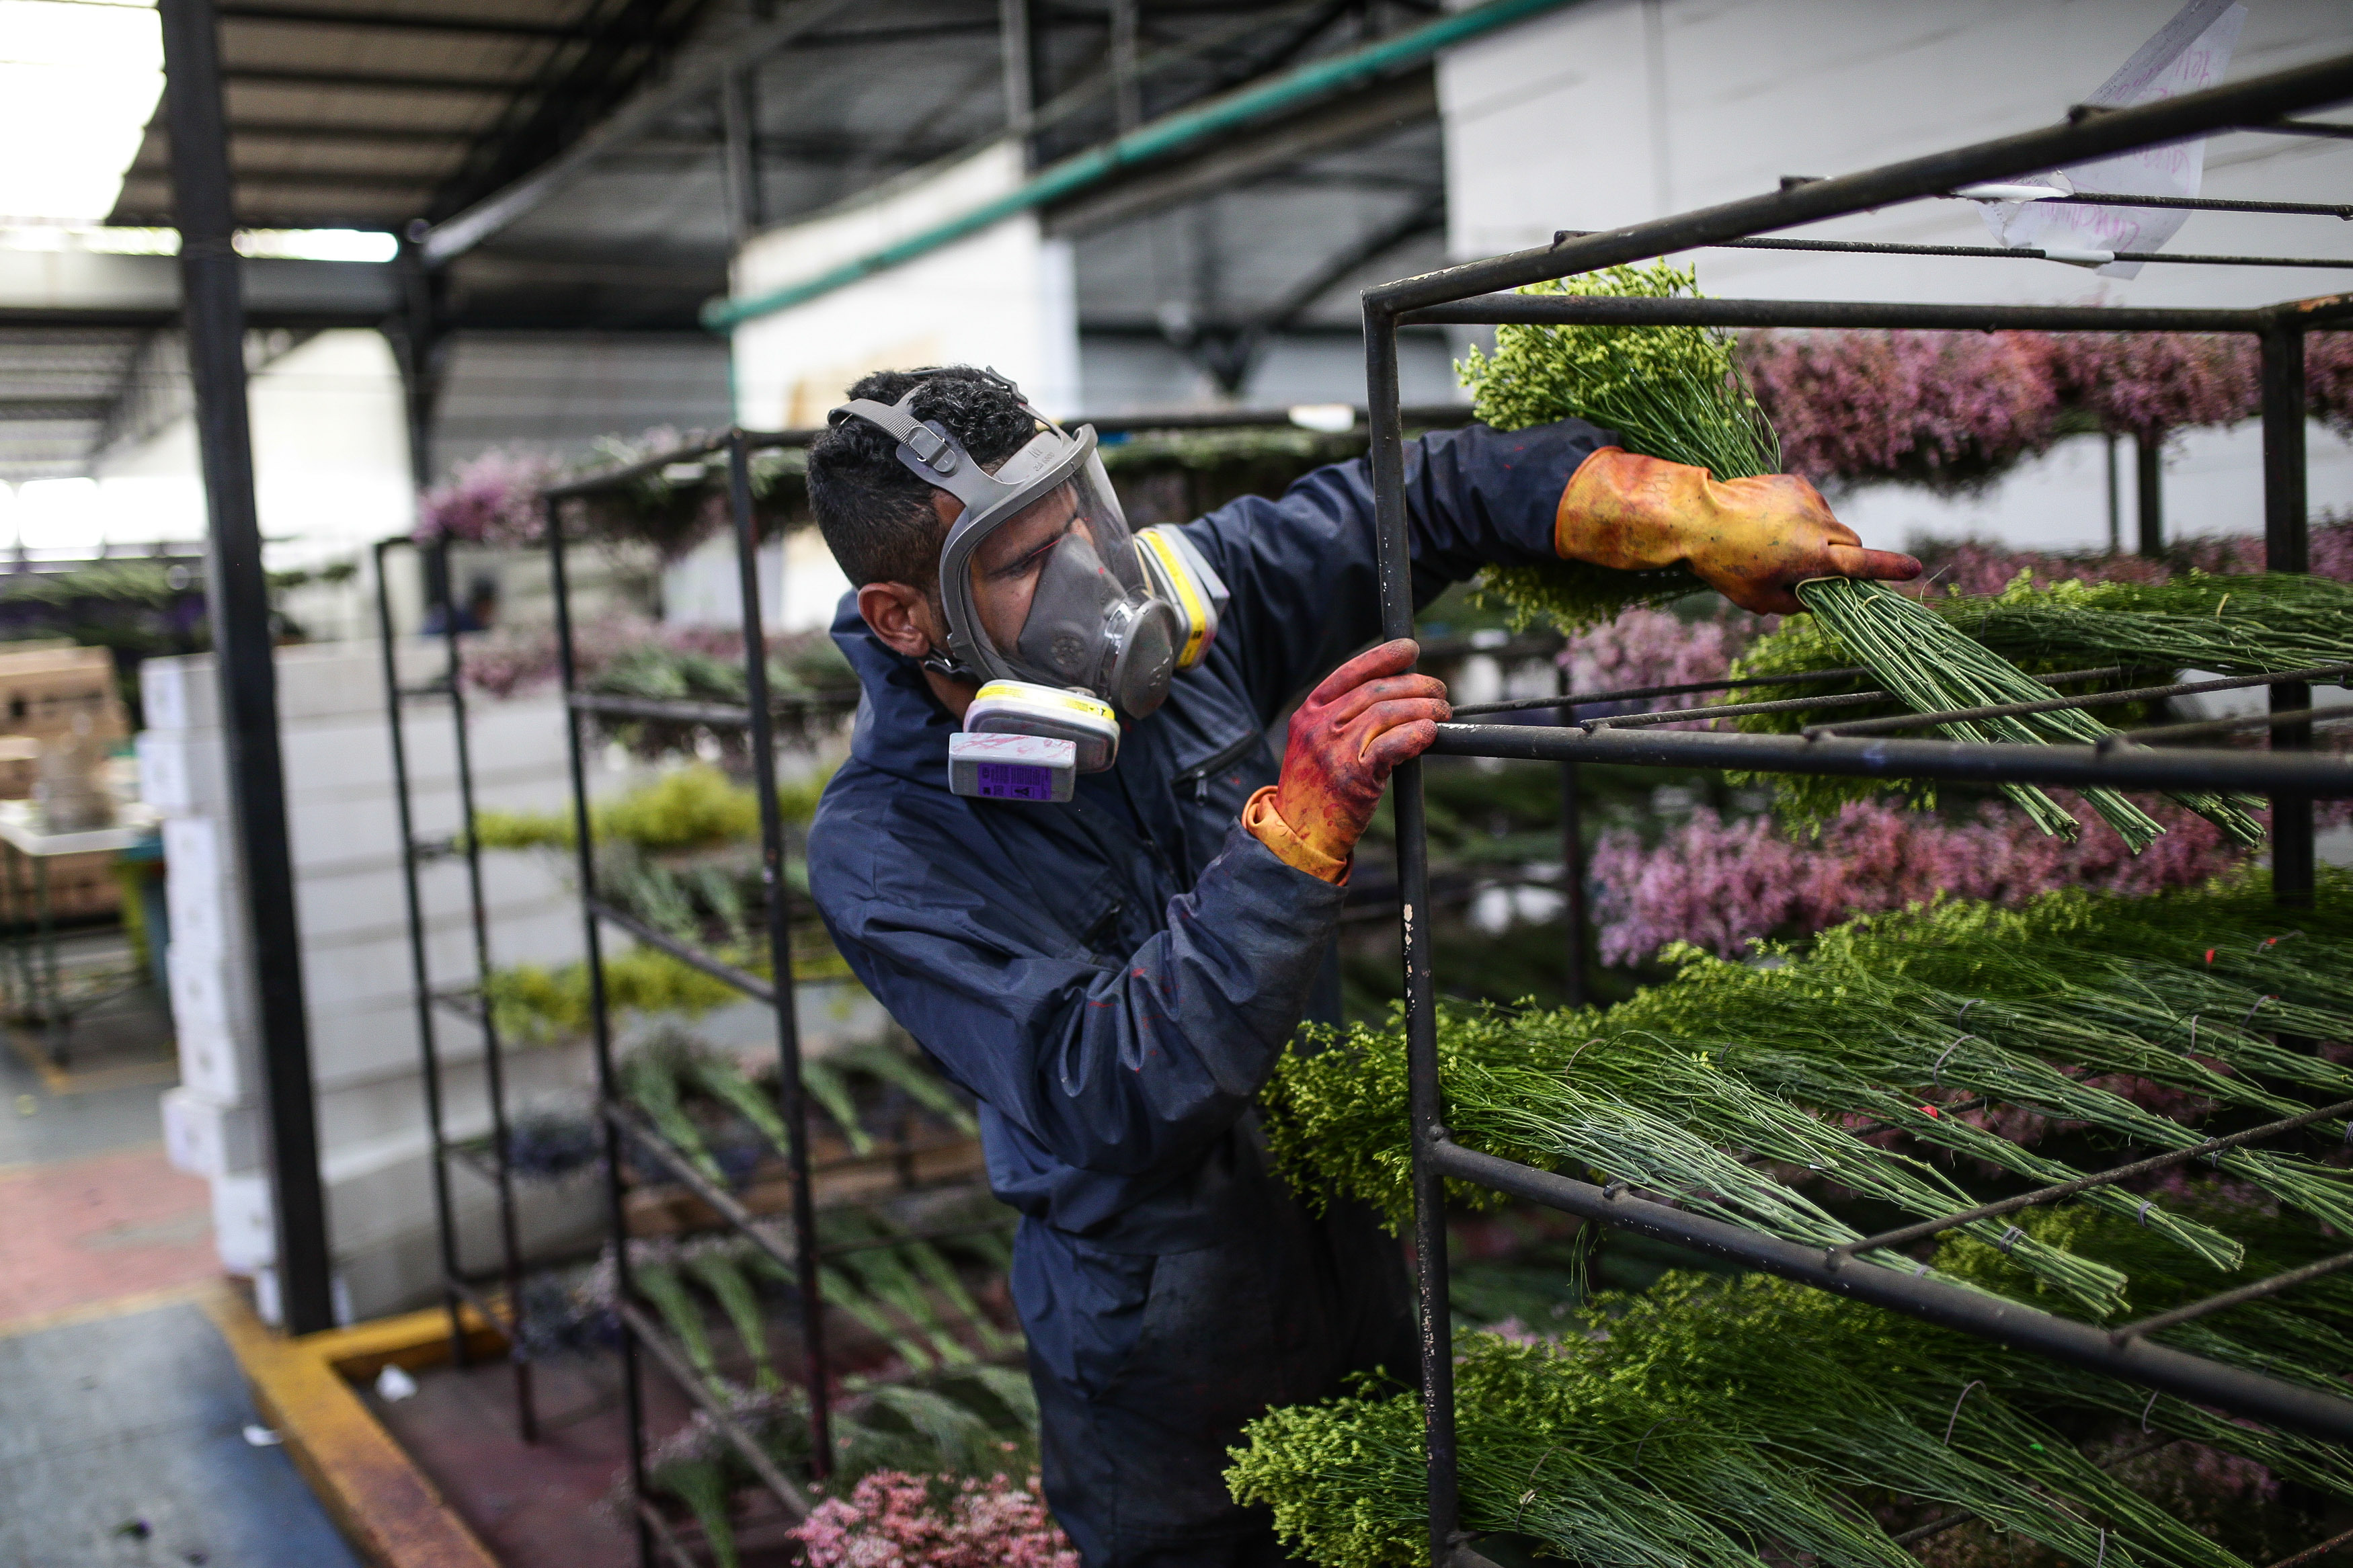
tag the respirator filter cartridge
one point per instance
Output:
(1008, 710)
(1012, 767)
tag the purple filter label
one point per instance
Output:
(1014, 781)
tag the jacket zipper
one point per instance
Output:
(1199, 776)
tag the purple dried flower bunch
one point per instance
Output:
(1724, 885)
(492, 499)
(1953, 410)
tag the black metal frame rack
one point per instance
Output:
(1474, 294)
(624, 1129)
(489, 1161)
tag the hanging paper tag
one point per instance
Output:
(2191, 52)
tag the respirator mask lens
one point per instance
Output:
(1088, 619)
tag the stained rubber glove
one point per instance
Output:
(1750, 539)
(1369, 716)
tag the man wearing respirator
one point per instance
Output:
(1065, 856)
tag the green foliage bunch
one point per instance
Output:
(2259, 622)
(1716, 1421)
(694, 807)
(1906, 1022)
(1675, 393)
(1936, 668)
(534, 1004)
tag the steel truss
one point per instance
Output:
(1478, 293)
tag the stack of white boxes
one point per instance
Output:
(343, 825)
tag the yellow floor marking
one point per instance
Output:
(117, 1307)
(391, 1514)
(60, 1080)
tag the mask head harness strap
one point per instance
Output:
(933, 455)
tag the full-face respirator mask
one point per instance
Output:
(1110, 615)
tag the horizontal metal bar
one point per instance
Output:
(741, 1218)
(437, 687)
(2314, 1553)
(614, 479)
(2122, 767)
(1639, 693)
(464, 1001)
(2023, 252)
(686, 952)
(660, 707)
(2302, 127)
(1736, 709)
(2258, 99)
(1903, 1236)
(2238, 722)
(2238, 1298)
(1989, 1317)
(2196, 204)
(1844, 699)
(665, 1540)
(501, 1321)
(2087, 699)
(910, 1240)
(1574, 309)
(683, 1373)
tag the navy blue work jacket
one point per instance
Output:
(1113, 977)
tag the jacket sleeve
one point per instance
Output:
(1126, 1068)
(1302, 568)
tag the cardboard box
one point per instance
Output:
(43, 692)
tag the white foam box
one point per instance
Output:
(245, 1228)
(183, 773)
(213, 1013)
(207, 1137)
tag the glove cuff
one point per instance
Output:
(1259, 819)
(1632, 512)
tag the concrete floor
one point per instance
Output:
(123, 1412)
(124, 1444)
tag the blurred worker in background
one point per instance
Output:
(1112, 961)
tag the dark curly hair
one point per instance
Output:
(877, 516)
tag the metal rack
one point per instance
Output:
(489, 1163)
(1470, 294)
(624, 1129)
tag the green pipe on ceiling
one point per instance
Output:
(1167, 134)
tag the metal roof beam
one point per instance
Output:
(380, 21)
(454, 237)
(376, 82)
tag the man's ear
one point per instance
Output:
(898, 614)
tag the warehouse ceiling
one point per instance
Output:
(417, 117)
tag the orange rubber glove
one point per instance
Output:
(1750, 539)
(1369, 715)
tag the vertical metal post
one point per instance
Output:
(2287, 547)
(2116, 499)
(1025, 76)
(2149, 454)
(1572, 866)
(238, 601)
(600, 1030)
(1424, 1106)
(1127, 86)
(763, 737)
(420, 976)
(493, 1047)
(739, 113)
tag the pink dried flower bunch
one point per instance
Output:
(1651, 647)
(492, 500)
(2147, 384)
(1947, 409)
(2329, 379)
(1721, 886)
(893, 1520)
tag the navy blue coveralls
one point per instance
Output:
(1114, 978)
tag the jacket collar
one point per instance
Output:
(902, 729)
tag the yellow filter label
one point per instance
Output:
(1188, 594)
(1046, 697)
